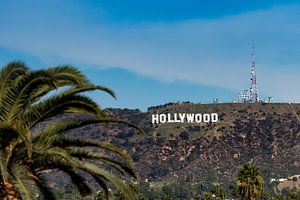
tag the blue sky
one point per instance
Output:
(153, 52)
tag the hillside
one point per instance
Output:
(266, 134)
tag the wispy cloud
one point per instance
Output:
(212, 52)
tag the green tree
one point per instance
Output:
(119, 195)
(291, 194)
(216, 193)
(166, 197)
(219, 192)
(250, 182)
(205, 196)
(28, 98)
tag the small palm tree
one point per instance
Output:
(250, 182)
(28, 98)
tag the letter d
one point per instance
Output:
(214, 117)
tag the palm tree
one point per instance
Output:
(28, 98)
(250, 182)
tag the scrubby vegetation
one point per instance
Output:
(248, 185)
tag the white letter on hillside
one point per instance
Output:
(170, 120)
(155, 119)
(214, 117)
(190, 118)
(176, 118)
(181, 117)
(206, 118)
(162, 118)
(198, 118)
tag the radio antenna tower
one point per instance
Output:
(253, 87)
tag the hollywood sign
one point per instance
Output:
(184, 118)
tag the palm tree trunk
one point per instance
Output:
(8, 192)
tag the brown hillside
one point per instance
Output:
(266, 134)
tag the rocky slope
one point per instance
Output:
(266, 134)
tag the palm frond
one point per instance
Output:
(62, 76)
(50, 161)
(17, 97)
(58, 128)
(9, 73)
(9, 76)
(77, 142)
(59, 152)
(122, 167)
(79, 181)
(22, 182)
(45, 191)
(102, 182)
(83, 153)
(67, 75)
(94, 170)
(3, 165)
(57, 105)
(89, 87)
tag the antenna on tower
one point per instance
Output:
(253, 87)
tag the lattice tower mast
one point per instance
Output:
(254, 97)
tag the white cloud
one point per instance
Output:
(211, 52)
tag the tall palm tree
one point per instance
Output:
(28, 98)
(250, 182)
